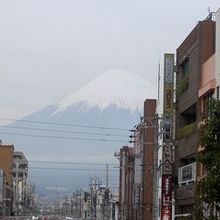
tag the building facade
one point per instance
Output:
(126, 186)
(148, 159)
(20, 186)
(2, 191)
(196, 83)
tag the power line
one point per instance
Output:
(68, 162)
(62, 137)
(63, 131)
(69, 169)
(74, 163)
(65, 177)
(64, 124)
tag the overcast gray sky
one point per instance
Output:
(51, 47)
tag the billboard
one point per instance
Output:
(187, 174)
(167, 178)
(167, 160)
(168, 83)
(166, 206)
(168, 98)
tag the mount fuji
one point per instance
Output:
(120, 89)
(88, 125)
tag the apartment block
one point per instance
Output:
(195, 83)
(19, 178)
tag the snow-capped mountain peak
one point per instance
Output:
(122, 89)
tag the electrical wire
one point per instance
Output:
(74, 163)
(64, 124)
(70, 169)
(62, 137)
(67, 162)
(65, 177)
(63, 131)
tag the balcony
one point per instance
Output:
(185, 194)
(19, 170)
(187, 174)
(20, 161)
(186, 131)
(186, 146)
(208, 78)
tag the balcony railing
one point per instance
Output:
(186, 131)
(187, 174)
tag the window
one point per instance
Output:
(183, 81)
(185, 68)
(206, 101)
(188, 116)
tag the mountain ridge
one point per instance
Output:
(114, 87)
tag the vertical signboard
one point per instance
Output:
(168, 84)
(167, 179)
(167, 188)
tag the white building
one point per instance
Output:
(19, 178)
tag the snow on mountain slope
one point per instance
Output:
(122, 89)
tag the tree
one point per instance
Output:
(208, 188)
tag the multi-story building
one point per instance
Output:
(196, 82)
(19, 177)
(86, 206)
(137, 170)
(126, 186)
(114, 202)
(6, 161)
(31, 199)
(209, 80)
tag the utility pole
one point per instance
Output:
(155, 169)
(155, 123)
(107, 175)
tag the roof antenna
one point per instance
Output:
(209, 10)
